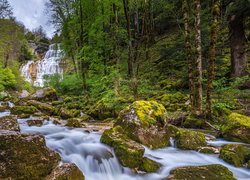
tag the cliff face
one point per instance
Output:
(39, 49)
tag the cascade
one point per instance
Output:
(35, 71)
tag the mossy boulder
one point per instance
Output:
(25, 156)
(237, 128)
(45, 94)
(3, 108)
(194, 122)
(190, 140)
(144, 122)
(212, 172)
(235, 154)
(66, 113)
(43, 107)
(9, 123)
(66, 172)
(19, 110)
(129, 152)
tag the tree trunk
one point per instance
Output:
(212, 55)
(188, 53)
(198, 61)
(237, 45)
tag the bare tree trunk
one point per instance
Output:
(198, 60)
(212, 55)
(237, 45)
(188, 53)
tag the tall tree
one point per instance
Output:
(212, 54)
(188, 47)
(237, 12)
(198, 60)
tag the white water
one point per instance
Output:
(49, 65)
(98, 161)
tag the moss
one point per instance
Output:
(18, 110)
(235, 154)
(192, 140)
(144, 122)
(209, 150)
(73, 122)
(129, 152)
(193, 122)
(149, 112)
(43, 107)
(149, 165)
(237, 128)
(213, 172)
(3, 108)
(25, 157)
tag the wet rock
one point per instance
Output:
(144, 122)
(37, 122)
(213, 172)
(66, 172)
(129, 152)
(25, 157)
(235, 154)
(190, 140)
(19, 110)
(45, 94)
(9, 123)
(237, 128)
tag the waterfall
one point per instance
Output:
(35, 71)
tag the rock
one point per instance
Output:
(9, 123)
(65, 113)
(129, 152)
(194, 122)
(25, 156)
(43, 107)
(235, 154)
(18, 110)
(209, 150)
(37, 122)
(3, 108)
(190, 140)
(24, 94)
(213, 172)
(4, 96)
(78, 122)
(144, 122)
(45, 94)
(66, 172)
(176, 118)
(237, 128)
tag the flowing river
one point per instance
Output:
(98, 161)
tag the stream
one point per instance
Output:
(98, 161)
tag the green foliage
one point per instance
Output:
(7, 79)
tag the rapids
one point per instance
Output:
(98, 161)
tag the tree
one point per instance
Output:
(237, 13)
(198, 60)
(212, 54)
(5, 9)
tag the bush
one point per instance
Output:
(7, 79)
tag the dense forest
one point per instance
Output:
(150, 70)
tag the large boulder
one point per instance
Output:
(25, 156)
(129, 152)
(45, 94)
(237, 128)
(9, 123)
(66, 172)
(235, 154)
(19, 110)
(144, 122)
(213, 172)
